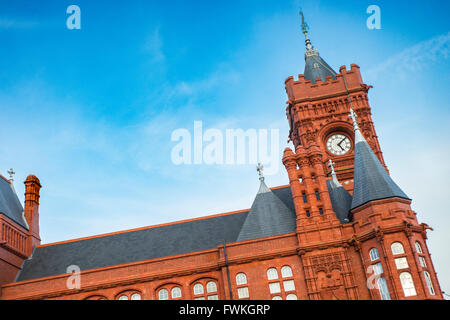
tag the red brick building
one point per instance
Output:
(342, 228)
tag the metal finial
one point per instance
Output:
(260, 168)
(305, 26)
(11, 174)
(331, 165)
(353, 116)
(309, 48)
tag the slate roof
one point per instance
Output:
(10, 204)
(316, 67)
(371, 181)
(341, 200)
(268, 216)
(272, 213)
(149, 243)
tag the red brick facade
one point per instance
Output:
(327, 259)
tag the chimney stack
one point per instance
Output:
(32, 188)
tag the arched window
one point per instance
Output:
(272, 274)
(135, 296)
(211, 290)
(241, 282)
(176, 292)
(211, 287)
(397, 248)
(129, 295)
(198, 289)
(286, 272)
(407, 284)
(373, 253)
(418, 247)
(277, 298)
(163, 294)
(383, 288)
(241, 278)
(291, 296)
(429, 283)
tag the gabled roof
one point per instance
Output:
(10, 204)
(268, 216)
(371, 181)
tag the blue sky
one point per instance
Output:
(91, 111)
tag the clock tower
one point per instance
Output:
(317, 110)
(352, 218)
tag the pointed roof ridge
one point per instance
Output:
(268, 215)
(10, 204)
(315, 66)
(371, 180)
(341, 200)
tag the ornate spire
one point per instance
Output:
(315, 66)
(331, 165)
(305, 28)
(358, 136)
(371, 181)
(262, 188)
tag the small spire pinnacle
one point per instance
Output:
(309, 48)
(331, 165)
(262, 187)
(358, 135)
(260, 169)
(11, 174)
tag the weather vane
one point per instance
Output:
(305, 26)
(11, 174)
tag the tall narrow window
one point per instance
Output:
(317, 195)
(373, 253)
(307, 213)
(383, 288)
(378, 268)
(321, 211)
(397, 248)
(407, 284)
(422, 262)
(305, 200)
(418, 247)
(429, 283)
(241, 282)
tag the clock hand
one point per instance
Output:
(339, 144)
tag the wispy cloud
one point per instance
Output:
(7, 23)
(154, 46)
(415, 58)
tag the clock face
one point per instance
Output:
(338, 144)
